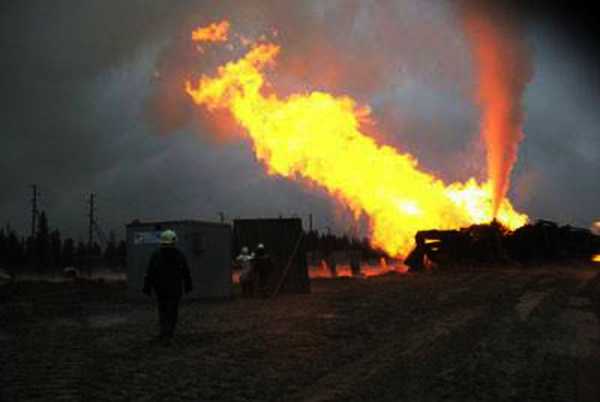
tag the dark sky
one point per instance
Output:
(91, 100)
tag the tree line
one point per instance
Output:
(47, 251)
(327, 243)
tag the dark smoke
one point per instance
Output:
(89, 86)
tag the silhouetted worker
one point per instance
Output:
(168, 275)
(263, 267)
(245, 261)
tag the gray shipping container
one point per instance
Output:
(206, 245)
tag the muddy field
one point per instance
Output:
(485, 335)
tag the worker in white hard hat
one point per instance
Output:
(169, 276)
(168, 238)
(244, 260)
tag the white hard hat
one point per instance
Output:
(245, 250)
(260, 246)
(168, 238)
(596, 228)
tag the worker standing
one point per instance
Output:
(244, 260)
(263, 268)
(168, 275)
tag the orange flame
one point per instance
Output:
(215, 32)
(596, 258)
(503, 72)
(316, 137)
(344, 270)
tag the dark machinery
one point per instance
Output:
(494, 244)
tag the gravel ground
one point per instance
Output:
(468, 335)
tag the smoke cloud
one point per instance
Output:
(93, 100)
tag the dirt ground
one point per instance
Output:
(477, 335)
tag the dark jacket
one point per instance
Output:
(168, 274)
(263, 265)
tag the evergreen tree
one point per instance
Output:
(15, 252)
(55, 249)
(20, 256)
(42, 242)
(311, 240)
(3, 249)
(29, 251)
(68, 250)
(110, 253)
(81, 251)
(95, 250)
(122, 253)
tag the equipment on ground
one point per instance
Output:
(494, 244)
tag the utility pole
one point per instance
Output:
(91, 221)
(34, 210)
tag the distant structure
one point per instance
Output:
(206, 245)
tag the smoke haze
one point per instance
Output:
(93, 100)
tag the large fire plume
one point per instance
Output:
(316, 137)
(503, 69)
